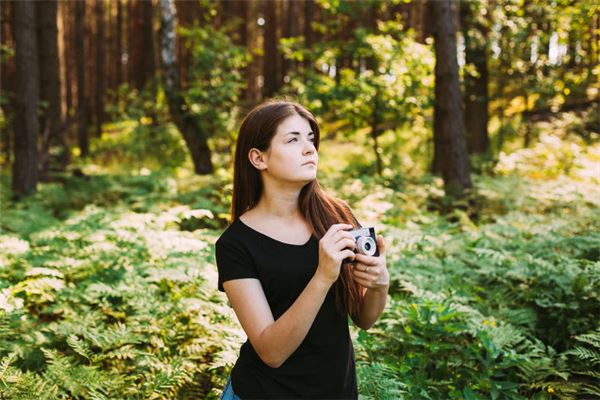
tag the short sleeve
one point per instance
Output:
(233, 262)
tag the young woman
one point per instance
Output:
(280, 264)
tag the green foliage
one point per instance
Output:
(110, 303)
(552, 157)
(114, 295)
(215, 79)
(139, 145)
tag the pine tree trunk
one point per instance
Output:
(100, 70)
(448, 125)
(119, 39)
(195, 138)
(25, 123)
(270, 50)
(476, 86)
(149, 65)
(50, 119)
(82, 102)
(7, 79)
(254, 90)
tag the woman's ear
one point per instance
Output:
(256, 158)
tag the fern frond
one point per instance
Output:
(80, 347)
(5, 364)
(592, 338)
(585, 354)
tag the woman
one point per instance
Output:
(280, 264)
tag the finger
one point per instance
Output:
(363, 282)
(369, 274)
(367, 260)
(335, 228)
(381, 245)
(345, 244)
(348, 254)
(340, 235)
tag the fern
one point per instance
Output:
(79, 346)
(585, 354)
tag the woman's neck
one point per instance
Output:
(280, 204)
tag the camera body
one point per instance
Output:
(366, 242)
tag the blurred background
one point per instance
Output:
(467, 132)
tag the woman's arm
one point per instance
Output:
(275, 341)
(371, 307)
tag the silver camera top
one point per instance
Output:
(366, 242)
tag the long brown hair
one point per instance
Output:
(320, 209)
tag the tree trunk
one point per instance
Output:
(100, 70)
(149, 65)
(82, 102)
(253, 93)
(292, 30)
(26, 123)
(270, 50)
(448, 126)
(376, 130)
(7, 79)
(476, 85)
(50, 118)
(189, 126)
(67, 19)
(119, 34)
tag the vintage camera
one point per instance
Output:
(366, 242)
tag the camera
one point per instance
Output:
(366, 242)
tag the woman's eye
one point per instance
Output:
(291, 140)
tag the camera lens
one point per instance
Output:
(366, 245)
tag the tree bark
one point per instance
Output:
(476, 84)
(270, 50)
(26, 123)
(451, 155)
(82, 102)
(254, 90)
(190, 127)
(149, 65)
(118, 36)
(7, 79)
(50, 118)
(100, 69)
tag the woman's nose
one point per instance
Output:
(309, 147)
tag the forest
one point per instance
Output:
(467, 132)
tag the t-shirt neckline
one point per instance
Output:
(273, 239)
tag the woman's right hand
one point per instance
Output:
(336, 245)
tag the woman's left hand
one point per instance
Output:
(371, 272)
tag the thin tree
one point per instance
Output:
(271, 84)
(25, 123)
(450, 148)
(50, 118)
(475, 33)
(190, 127)
(82, 102)
(7, 79)
(100, 69)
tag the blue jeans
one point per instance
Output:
(228, 391)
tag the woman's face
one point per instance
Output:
(292, 156)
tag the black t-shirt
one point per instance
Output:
(323, 366)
